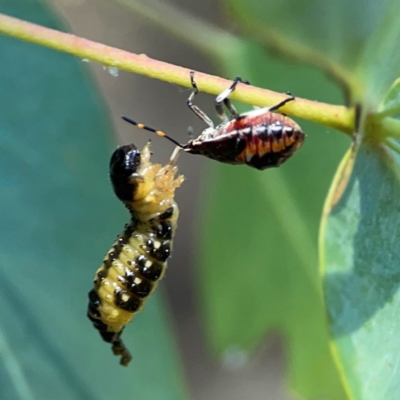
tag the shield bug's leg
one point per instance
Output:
(224, 98)
(199, 113)
(147, 128)
(282, 103)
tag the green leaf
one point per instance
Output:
(391, 103)
(59, 217)
(259, 243)
(356, 42)
(360, 260)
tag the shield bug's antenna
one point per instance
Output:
(148, 128)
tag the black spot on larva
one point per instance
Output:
(94, 298)
(166, 214)
(149, 269)
(136, 284)
(101, 275)
(118, 247)
(107, 262)
(148, 244)
(163, 230)
(140, 261)
(112, 256)
(120, 243)
(94, 303)
(97, 323)
(162, 253)
(128, 231)
(127, 301)
(93, 310)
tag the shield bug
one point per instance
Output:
(261, 138)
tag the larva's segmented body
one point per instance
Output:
(137, 261)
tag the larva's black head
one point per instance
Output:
(124, 162)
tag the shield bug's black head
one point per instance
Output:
(124, 162)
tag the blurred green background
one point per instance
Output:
(240, 312)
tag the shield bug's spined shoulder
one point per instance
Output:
(261, 138)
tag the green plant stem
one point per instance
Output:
(389, 127)
(334, 116)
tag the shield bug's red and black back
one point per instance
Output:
(137, 261)
(257, 138)
(261, 138)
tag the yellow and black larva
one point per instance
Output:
(137, 261)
